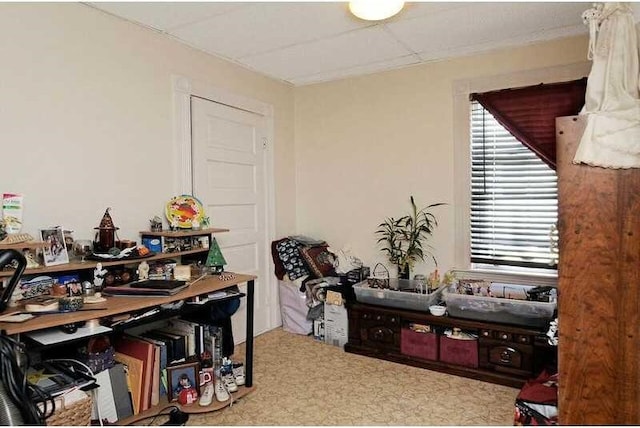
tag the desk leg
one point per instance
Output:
(249, 342)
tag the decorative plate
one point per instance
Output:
(184, 210)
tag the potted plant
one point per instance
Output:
(405, 238)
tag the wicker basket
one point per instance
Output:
(77, 414)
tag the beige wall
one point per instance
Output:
(86, 122)
(86, 117)
(364, 145)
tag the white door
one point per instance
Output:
(230, 179)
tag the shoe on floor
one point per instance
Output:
(207, 395)
(220, 392)
(238, 374)
(229, 384)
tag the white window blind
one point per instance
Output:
(514, 198)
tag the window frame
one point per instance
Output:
(462, 89)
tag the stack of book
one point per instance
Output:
(144, 354)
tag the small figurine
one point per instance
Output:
(106, 234)
(205, 221)
(143, 271)
(98, 276)
(174, 224)
(156, 224)
(32, 263)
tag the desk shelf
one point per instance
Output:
(91, 264)
(116, 305)
(191, 409)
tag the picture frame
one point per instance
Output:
(56, 253)
(181, 377)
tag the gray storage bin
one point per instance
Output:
(394, 297)
(500, 310)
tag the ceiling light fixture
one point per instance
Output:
(375, 10)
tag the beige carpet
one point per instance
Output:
(304, 382)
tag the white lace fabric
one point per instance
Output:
(612, 102)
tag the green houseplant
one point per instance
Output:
(405, 238)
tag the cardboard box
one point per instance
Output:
(336, 325)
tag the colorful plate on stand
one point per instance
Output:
(184, 210)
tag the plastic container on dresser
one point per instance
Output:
(500, 310)
(402, 293)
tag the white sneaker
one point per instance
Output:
(221, 393)
(207, 395)
(238, 375)
(229, 384)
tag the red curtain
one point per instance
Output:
(529, 113)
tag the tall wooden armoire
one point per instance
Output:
(599, 286)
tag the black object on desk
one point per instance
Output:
(147, 288)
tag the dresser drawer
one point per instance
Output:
(379, 318)
(379, 329)
(505, 356)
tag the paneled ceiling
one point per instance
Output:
(308, 42)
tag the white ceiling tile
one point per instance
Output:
(356, 48)
(267, 26)
(482, 23)
(477, 48)
(357, 71)
(304, 42)
(167, 15)
(417, 9)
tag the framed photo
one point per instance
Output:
(56, 252)
(183, 381)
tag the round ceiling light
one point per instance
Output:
(375, 10)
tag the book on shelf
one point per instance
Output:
(186, 328)
(122, 398)
(161, 348)
(176, 350)
(181, 343)
(143, 351)
(105, 407)
(133, 370)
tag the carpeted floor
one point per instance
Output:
(304, 382)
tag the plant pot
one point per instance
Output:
(404, 272)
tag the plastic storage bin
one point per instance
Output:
(394, 296)
(493, 309)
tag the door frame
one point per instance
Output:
(183, 88)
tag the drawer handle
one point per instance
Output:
(504, 336)
(378, 317)
(505, 356)
(378, 334)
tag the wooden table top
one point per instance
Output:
(116, 305)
